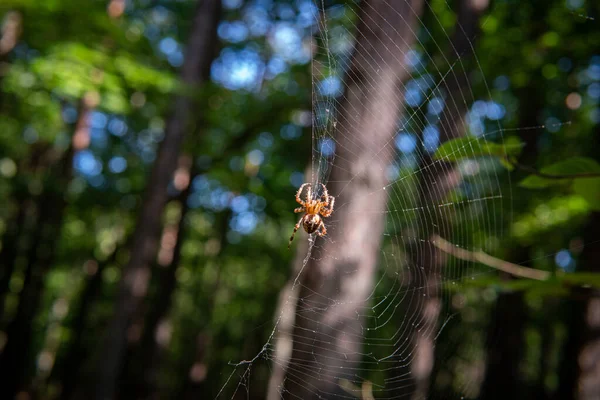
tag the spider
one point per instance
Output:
(312, 221)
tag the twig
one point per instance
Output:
(534, 171)
(486, 259)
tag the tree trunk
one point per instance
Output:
(15, 358)
(200, 375)
(436, 180)
(18, 223)
(285, 319)
(136, 274)
(68, 370)
(142, 373)
(337, 280)
(580, 364)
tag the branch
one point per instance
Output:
(534, 171)
(483, 258)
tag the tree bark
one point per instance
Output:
(436, 180)
(285, 319)
(142, 374)
(338, 278)
(68, 370)
(16, 356)
(136, 274)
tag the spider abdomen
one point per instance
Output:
(311, 223)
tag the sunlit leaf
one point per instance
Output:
(470, 147)
(566, 168)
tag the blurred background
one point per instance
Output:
(150, 151)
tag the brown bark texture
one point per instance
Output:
(136, 274)
(338, 278)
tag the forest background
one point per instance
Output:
(150, 151)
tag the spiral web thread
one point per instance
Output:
(470, 210)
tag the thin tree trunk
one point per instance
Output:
(436, 180)
(142, 367)
(68, 371)
(285, 319)
(337, 280)
(14, 361)
(11, 31)
(136, 274)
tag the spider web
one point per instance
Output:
(444, 80)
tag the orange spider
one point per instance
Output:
(312, 221)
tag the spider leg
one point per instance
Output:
(322, 230)
(325, 194)
(299, 209)
(298, 199)
(296, 227)
(326, 212)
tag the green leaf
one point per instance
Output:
(567, 168)
(589, 189)
(470, 147)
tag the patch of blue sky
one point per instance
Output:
(307, 13)
(175, 58)
(479, 109)
(160, 15)
(200, 183)
(593, 72)
(235, 31)
(330, 86)
(257, 19)
(435, 106)
(594, 90)
(255, 157)
(413, 59)
(99, 138)
(296, 178)
(239, 204)
(286, 40)
(276, 66)
(86, 163)
(290, 131)
(406, 142)
(285, 11)
(431, 138)
(413, 97)
(218, 199)
(244, 223)
(232, 4)
(117, 127)
(117, 164)
(495, 111)
(236, 70)
(564, 260)
(168, 45)
(98, 120)
(476, 127)
(327, 147)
